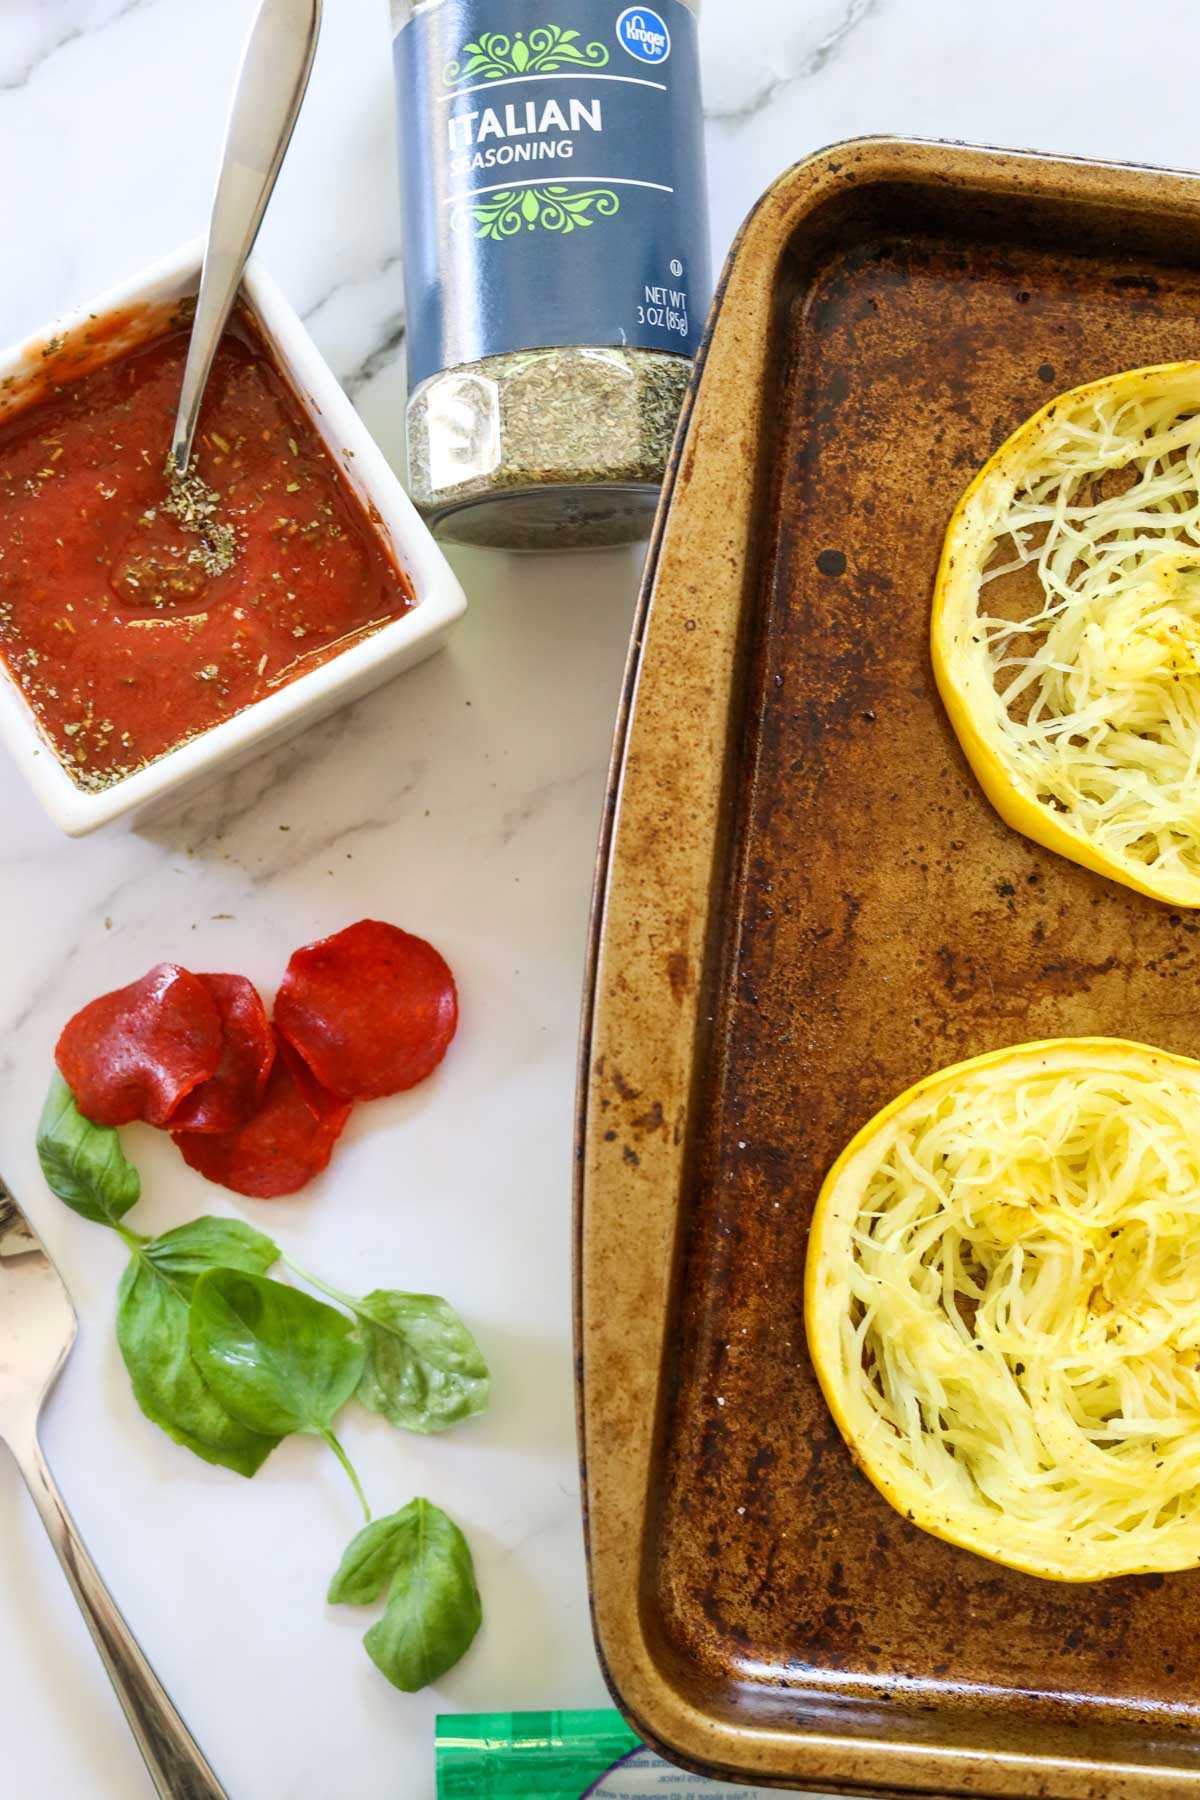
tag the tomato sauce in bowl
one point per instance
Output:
(128, 633)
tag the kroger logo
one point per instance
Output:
(644, 34)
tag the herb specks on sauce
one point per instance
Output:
(137, 611)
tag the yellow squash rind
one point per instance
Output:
(983, 1530)
(955, 593)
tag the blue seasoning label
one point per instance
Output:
(552, 177)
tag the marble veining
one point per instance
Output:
(355, 297)
(25, 47)
(796, 62)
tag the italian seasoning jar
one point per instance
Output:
(556, 261)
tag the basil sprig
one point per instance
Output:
(228, 1362)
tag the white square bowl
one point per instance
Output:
(439, 597)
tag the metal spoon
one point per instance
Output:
(37, 1329)
(271, 82)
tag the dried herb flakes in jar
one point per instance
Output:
(556, 261)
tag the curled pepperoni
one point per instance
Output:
(371, 1009)
(137, 1052)
(285, 1142)
(227, 1099)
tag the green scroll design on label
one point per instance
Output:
(546, 50)
(512, 210)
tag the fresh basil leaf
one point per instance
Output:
(84, 1163)
(181, 1256)
(424, 1370)
(370, 1562)
(433, 1608)
(152, 1330)
(277, 1359)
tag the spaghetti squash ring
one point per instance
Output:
(1066, 628)
(1002, 1302)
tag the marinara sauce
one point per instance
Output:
(126, 633)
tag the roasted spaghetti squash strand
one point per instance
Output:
(1079, 709)
(1003, 1306)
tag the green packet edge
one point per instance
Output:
(517, 1755)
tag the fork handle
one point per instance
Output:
(177, 1766)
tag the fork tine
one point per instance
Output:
(16, 1233)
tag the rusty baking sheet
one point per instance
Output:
(805, 903)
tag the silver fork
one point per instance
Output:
(37, 1329)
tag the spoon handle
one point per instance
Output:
(274, 73)
(175, 1762)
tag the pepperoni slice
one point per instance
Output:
(137, 1052)
(371, 1009)
(227, 1099)
(285, 1142)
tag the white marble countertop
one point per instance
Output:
(461, 801)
